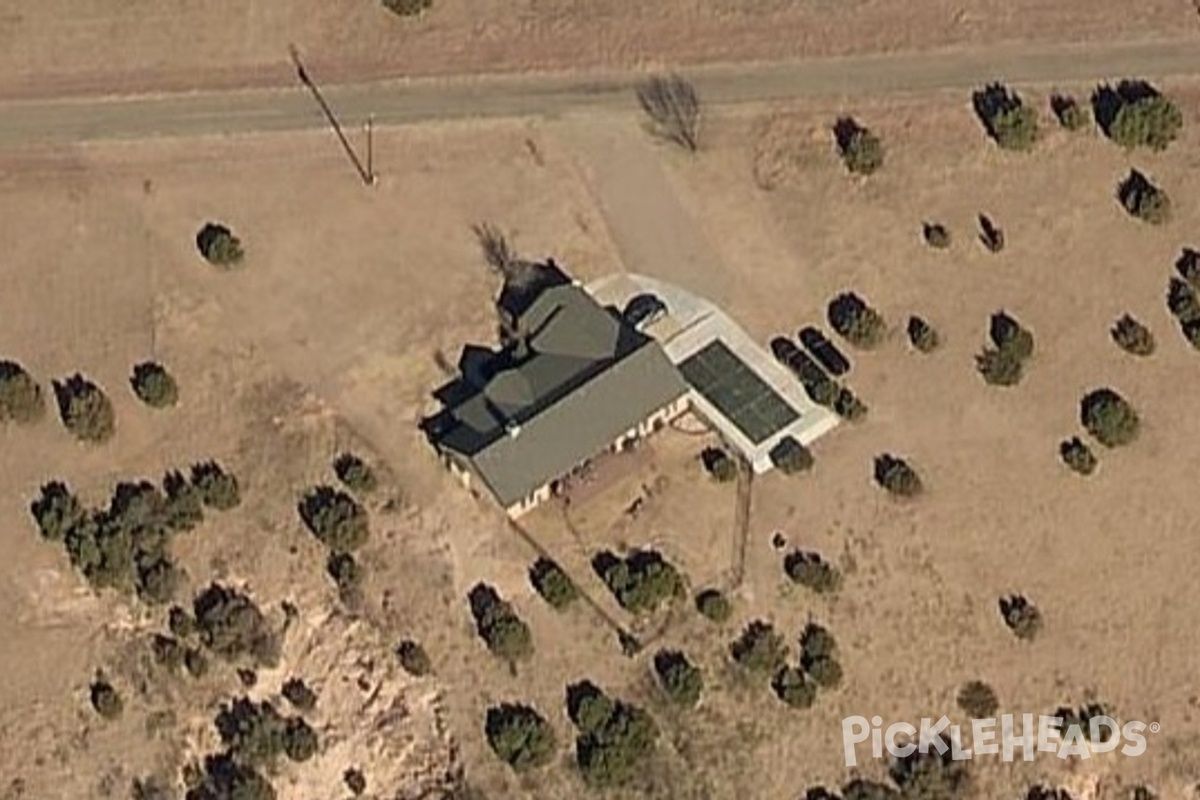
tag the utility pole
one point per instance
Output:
(368, 176)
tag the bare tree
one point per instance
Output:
(672, 105)
(496, 252)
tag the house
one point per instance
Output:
(570, 380)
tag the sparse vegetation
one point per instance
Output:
(1021, 616)
(897, 477)
(790, 457)
(219, 246)
(1132, 336)
(520, 736)
(641, 582)
(1008, 121)
(936, 235)
(1078, 456)
(21, 399)
(760, 649)
(614, 737)
(673, 107)
(335, 518)
(809, 569)
(153, 385)
(218, 489)
(1135, 114)
(720, 466)
(233, 627)
(856, 321)
(1142, 199)
(85, 409)
(680, 679)
(1109, 418)
(355, 474)
(922, 336)
(714, 605)
(497, 623)
(860, 149)
(978, 700)
(1069, 113)
(553, 583)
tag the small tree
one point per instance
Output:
(1021, 616)
(105, 699)
(224, 778)
(355, 474)
(335, 518)
(825, 672)
(299, 694)
(85, 410)
(408, 8)
(1188, 267)
(1069, 113)
(673, 107)
(641, 582)
(219, 246)
(718, 464)
(1004, 364)
(153, 385)
(232, 626)
(520, 736)
(680, 679)
(504, 633)
(793, 687)
(896, 476)
(1077, 455)
(856, 321)
(1109, 418)
(809, 569)
(57, 511)
(218, 489)
(978, 700)
(922, 336)
(1135, 114)
(553, 583)
(1182, 301)
(1142, 199)
(936, 235)
(413, 658)
(184, 504)
(759, 649)
(1008, 121)
(714, 605)
(21, 399)
(860, 149)
(1132, 336)
(790, 457)
(614, 737)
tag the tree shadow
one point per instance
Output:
(844, 131)
(482, 599)
(991, 102)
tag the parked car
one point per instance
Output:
(644, 309)
(824, 351)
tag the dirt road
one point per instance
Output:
(61, 121)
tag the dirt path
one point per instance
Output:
(194, 114)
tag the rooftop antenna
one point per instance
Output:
(366, 173)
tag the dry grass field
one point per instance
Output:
(50, 47)
(328, 339)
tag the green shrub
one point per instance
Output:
(184, 505)
(794, 688)
(1191, 332)
(896, 476)
(978, 700)
(553, 583)
(299, 694)
(1132, 336)
(641, 582)
(823, 391)
(335, 518)
(860, 149)
(718, 464)
(520, 736)
(1135, 114)
(1004, 365)
(790, 457)
(355, 781)
(1078, 456)
(219, 246)
(849, 407)
(224, 778)
(84, 409)
(408, 8)
(928, 773)
(504, 633)
(1070, 114)
(153, 385)
(1142, 199)
(105, 699)
(256, 734)
(413, 658)
(1182, 301)
(57, 511)
(1008, 335)
(233, 627)
(856, 321)
(816, 642)
(999, 367)
(1008, 121)
(21, 399)
(936, 235)
(347, 576)
(355, 473)
(922, 336)
(714, 605)
(1188, 267)
(614, 737)
(1021, 616)
(218, 488)
(1109, 418)
(825, 672)
(809, 569)
(680, 679)
(759, 649)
